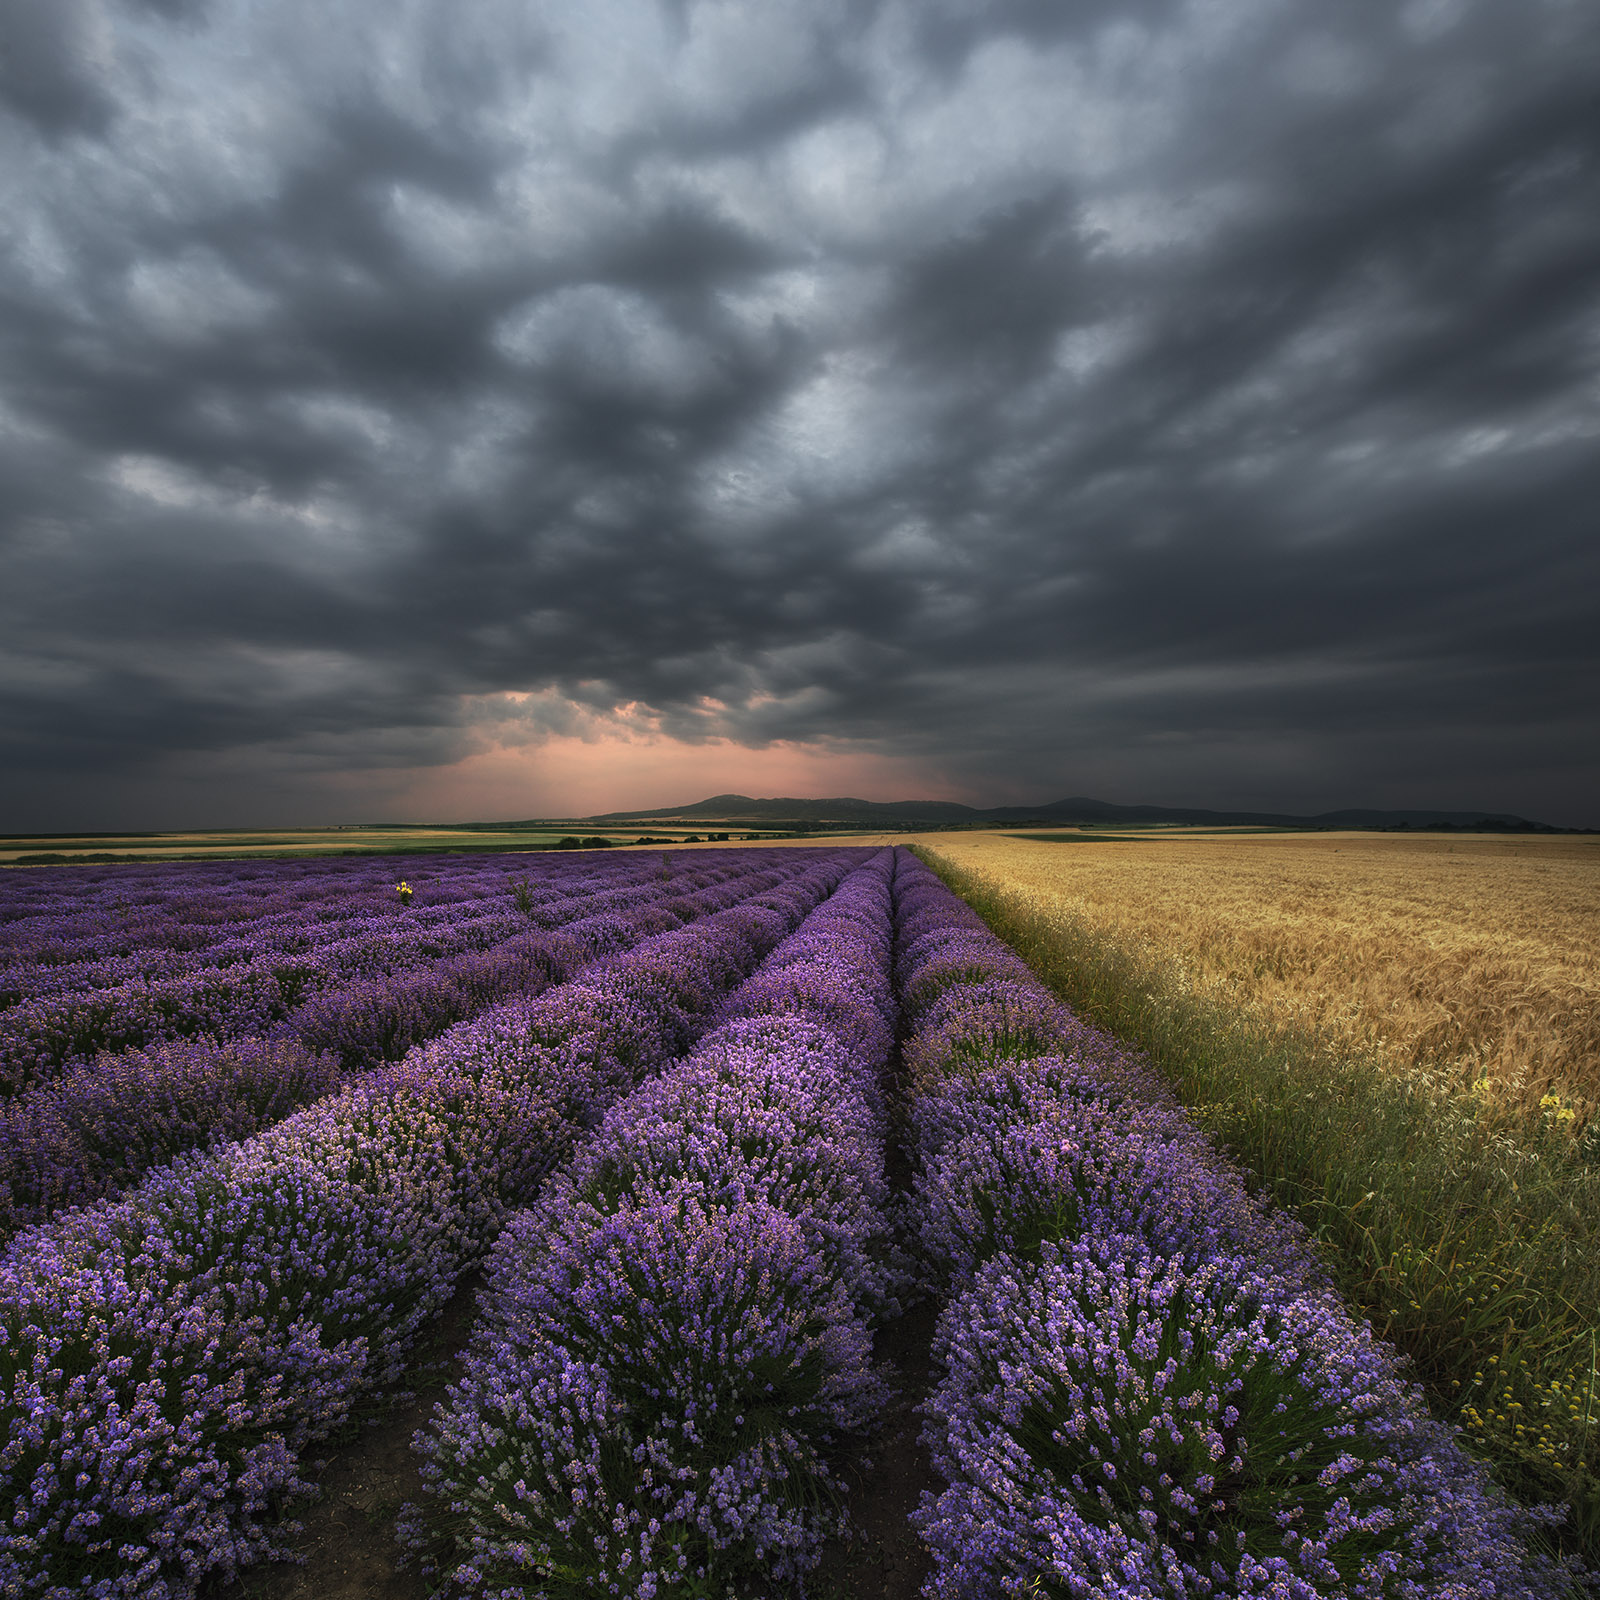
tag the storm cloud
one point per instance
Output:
(1180, 402)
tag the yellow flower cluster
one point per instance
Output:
(1557, 1109)
(1548, 1423)
(404, 891)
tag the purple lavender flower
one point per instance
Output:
(101, 1128)
(660, 1398)
(1114, 1422)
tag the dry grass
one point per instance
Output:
(1475, 958)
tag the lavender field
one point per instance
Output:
(707, 1124)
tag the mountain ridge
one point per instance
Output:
(845, 810)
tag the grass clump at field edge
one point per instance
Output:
(1475, 1251)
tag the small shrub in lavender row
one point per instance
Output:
(676, 1338)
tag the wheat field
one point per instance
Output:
(1475, 959)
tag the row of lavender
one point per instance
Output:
(677, 1338)
(1149, 1389)
(98, 1126)
(314, 971)
(260, 973)
(165, 1357)
(175, 895)
(62, 928)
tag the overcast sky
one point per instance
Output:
(428, 409)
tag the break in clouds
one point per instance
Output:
(1179, 402)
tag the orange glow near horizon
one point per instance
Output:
(572, 777)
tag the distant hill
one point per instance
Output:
(770, 813)
(742, 810)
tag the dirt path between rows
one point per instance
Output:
(348, 1546)
(883, 1559)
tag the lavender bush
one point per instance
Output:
(676, 1339)
(661, 1406)
(1079, 1170)
(1114, 1422)
(1010, 1092)
(103, 1127)
(774, 1107)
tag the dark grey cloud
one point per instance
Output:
(1183, 402)
(46, 71)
